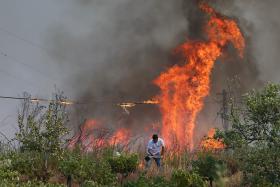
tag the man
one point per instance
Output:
(155, 149)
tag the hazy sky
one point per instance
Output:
(26, 41)
(25, 64)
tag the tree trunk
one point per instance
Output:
(69, 181)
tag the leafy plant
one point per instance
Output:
(30, 164)
(6, 171)
(41, 128)
(124, 164)
(209, 167)
(85, 168)
(255, 135)
(143, 181)
(182, 178)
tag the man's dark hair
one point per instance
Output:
(155, 136)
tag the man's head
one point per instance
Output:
(155, 138)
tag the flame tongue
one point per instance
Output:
(183, 88)
(209, 143)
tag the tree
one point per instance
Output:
(40, 135)
(41, 128)
(255, 135)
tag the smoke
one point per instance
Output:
(263, 18)
(112, 51)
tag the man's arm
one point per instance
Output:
(149, 152)
(149, 149)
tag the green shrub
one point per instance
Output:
(124, 164)
(41, 128)
(7, 183)
(30, 164)
(254, 135)
(182, 178)
(209, 167)
(103, 173)
(77, 167)
(6, 172)
(85, 168)
(143, 181)
(91, 184)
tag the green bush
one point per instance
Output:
(143, 181)
(182, 178)
(103, 173)
(6, 171)
(209, 167)
(254, 136)
(30, 164)
(85, 168)
(77, 167)
(41, 128)
(124, 164)
(91, 184)
(7, 183)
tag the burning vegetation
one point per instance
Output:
(182, 87)
(246, 154)
(210, 143)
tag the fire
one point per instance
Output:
(152, 102)
(127, 105)
(183, 88)
(121, 136)
(210, 143)
(93, 136)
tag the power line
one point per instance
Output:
(65, 102)
(15, 60)
(31, 43)
(23, 39)
(17, 78)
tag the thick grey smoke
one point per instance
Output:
(114, 49)
(263, 18)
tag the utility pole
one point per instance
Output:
(224, 110)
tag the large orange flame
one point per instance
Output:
(183, 88)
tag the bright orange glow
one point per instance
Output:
(210, 143)
(121, 136)
(92, 136)
(183, 88)
(153, 102)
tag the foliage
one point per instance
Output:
(124, 164)
(6, 171)
(6, 183)
(30, 164)
(90, 184)
(261, 165)
(143, 181)
(209, 167)
(181, 178)
(40, 128)
(255, 135)
(85, 168)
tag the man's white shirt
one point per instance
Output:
(155, 148)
